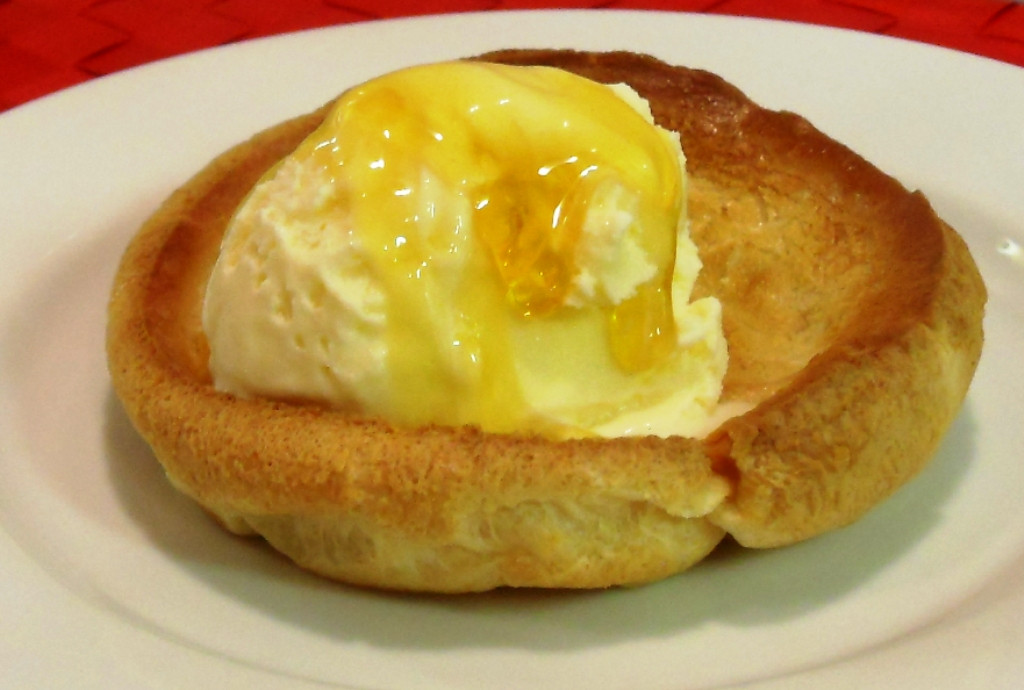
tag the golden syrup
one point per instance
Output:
(495, 167)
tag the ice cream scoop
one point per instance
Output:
(473, 243)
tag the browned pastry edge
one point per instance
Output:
(854, 320)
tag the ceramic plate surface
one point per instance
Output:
(112, 580)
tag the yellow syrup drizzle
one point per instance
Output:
(525, 149)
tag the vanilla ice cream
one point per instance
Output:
(471, 243)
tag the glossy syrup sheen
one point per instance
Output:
(470, 183)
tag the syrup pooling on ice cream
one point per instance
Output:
(468, 243)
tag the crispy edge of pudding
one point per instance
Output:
(854, 321)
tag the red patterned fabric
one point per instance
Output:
(47, 45)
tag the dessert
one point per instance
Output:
(853, 320)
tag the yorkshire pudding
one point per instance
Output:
(853, 315)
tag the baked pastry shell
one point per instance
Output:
(853, 315)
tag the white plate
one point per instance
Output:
(111, 580)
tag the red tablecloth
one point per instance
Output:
(46, 45)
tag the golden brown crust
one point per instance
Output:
(854, 320)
